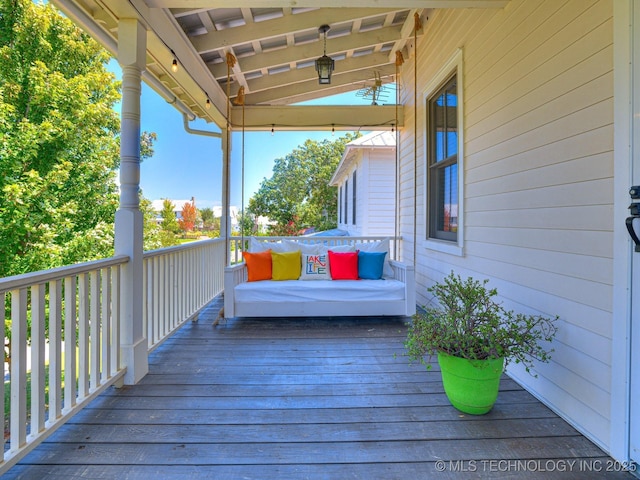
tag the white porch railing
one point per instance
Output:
(178, 282)
(73, 315)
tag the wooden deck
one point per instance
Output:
(330, 398)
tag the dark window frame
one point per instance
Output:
(442, 161)
(354, 192)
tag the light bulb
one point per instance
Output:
(174, 65)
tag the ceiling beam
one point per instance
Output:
(303, 52)
(280, 26)
(328, 3)
(291, 94)
(369, 62)
(324, 117)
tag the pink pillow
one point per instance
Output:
(343, 265)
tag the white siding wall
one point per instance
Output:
(375, 209)
(538, 88)
(362, 212)
(381, 197)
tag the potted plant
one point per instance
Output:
(474, 338)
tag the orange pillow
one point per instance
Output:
(258, 265)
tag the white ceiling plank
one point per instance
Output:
(285, 25)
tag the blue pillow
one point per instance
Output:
(370, 265)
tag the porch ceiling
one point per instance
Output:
(275, 43)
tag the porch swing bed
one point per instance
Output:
(390, 294)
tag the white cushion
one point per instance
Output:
(292, 245)
(256, 246)
(337, 248)
(292, 291)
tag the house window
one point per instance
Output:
(353, 206)
(442, 160)
(345, 197)
(339, 204)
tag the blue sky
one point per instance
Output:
(186, 165)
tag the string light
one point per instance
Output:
(174, 63)
(207, 104)
(393, 127)
(333, 129)
(272, 129)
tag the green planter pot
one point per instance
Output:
(471, 385)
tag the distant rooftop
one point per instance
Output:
(374, 139)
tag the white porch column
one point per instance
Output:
(128, 233)
(225, 219)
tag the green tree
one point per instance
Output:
(58, 141)
(152, 236)
(210, 223)
(147, 139)
(169, 227)
(247, 223)
(207, 217)
(297, 194)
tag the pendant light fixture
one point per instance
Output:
(324, 64)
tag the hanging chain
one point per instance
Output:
(399, 62)
(416, 26)
(231, 61)
(240, 101)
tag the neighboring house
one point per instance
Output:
(365, 178)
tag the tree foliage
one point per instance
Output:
(210, 223)
(152, 234)
(188, 216)
(168, 215)
(298, 194)
(58, 141)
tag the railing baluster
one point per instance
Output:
(18, 423)
(94, 331)
(70, 342)
(115, 319)
(37, 358)
(146, 300)
(106, 324)
(55, 350)
(83, 335)
(3, 299)
(153, 338)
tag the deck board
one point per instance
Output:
(304, 398)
